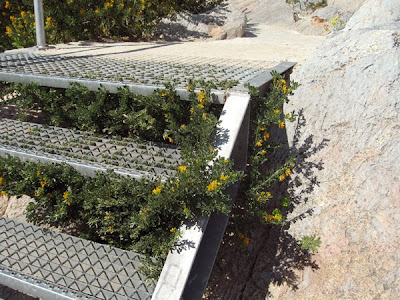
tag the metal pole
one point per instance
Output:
(39, 19)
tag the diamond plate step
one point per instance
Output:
(53, 265)
(85, 151)
(143, 75)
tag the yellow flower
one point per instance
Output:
(158, 189)
(282, 124)
(201, 96)
(263, 152)
(38, 173)
(188, 88)
(163, 94)
(201, 106)
(266, 136)
(284, 89)
(246, 241)
(1, 180)
(12, 18)
(283, 81)
(268, 194)
(68, 202)
(183, 126)
(226, 161)
(122, 5)
(182, 168)
(288, 172)
(192, 110)
(211, 149)
(173, 229)
(223, 177)
(97, 11)
(282, 177)
(43, 183)
(277, 111)
(185, 209)
(81, 11)
(171, 140)
(259, 143)
(7, 5)
(48, 22)
(66, 195)
(268, 217)
(8, 30)
(204, 116)
(110, 228)
(104, 30)
(240, 235)
(22, 14)
(262, 129)
(213, 185)
(3, 193)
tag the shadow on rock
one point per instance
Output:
(273, 256)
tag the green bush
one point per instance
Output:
(74, 20)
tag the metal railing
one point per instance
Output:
(39, 19)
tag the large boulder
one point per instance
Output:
(222, 22)
(348, 139)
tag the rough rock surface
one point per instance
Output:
(318, 22)
(349, 103)
(16, 208)
(223, 22)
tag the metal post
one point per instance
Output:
(39, 19)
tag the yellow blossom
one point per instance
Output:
(38, 173)
(97, 11)
(213, 185)
(48, 22)
(223, 177)
(183, 126)
(201, 106)
(12, 18)
(268, 194)
(246, 241)
(110, 228)
(277, 111)
(284, 89)
(283, 81)
(204, 116)
(266, 136)
(43, 183)
(201, 96)
(3, 193)
(158, 189)
(192, 110)
(163, 94)
(7, 5)
(262, 129)
(259, 143)
(287, 116)
(8, 31)
(282, 177)
(263, 152)
(122, 5)
(171, 140)
(173, 229)
(22, 14)
(226, 161)
(288, 172)
(182, 168)
(68, 202)
(66, 195)
(211, 149)
(185, 209)
(282, 124)
(1, 180)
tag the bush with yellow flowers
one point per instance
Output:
(139, 215)
(265, 175)
(74, 20)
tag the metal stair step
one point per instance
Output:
(53, 265)
(86, 151)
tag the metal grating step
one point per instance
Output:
(86, 151)
(67, 267)
(141, 75)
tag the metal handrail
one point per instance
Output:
(39, 19)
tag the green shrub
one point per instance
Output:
(74, 20)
